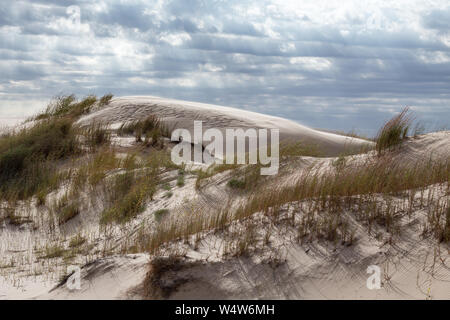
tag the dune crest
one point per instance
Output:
(181, 114)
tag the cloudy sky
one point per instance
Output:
(327, 64)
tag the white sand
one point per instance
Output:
(181, 114)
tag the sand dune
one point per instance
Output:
(181, 114)
(414, 267)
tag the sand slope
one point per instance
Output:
(411, 268)
(181, 114)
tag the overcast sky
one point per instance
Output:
(328, 64)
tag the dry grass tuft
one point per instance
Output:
(106, 99)
(394, 131)
(96, 135)
(129, 193)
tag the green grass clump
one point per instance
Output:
(130, 191)
(246, 178)
(68, 106)
(180, 181)
(97, 135)
(296, 149)
(129, 195)
(52, 252)
(394, 131)
(160, 213)
(106, 99)
(236, 183)
(151, 128)
(77, 241)
(27, 157)
(169, 194)
(96, 170)
(68, 212)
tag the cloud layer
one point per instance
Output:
(329, 64)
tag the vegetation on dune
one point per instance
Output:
(53, 149)
(160, 213)
(236, 183)
(28, 156)
(367, 179)
(394, 131)
(68, 106)
(106, 99)
(246, 177)
(77, 241)
(376, 192)
(211, 171)
(96, 135)
(180, 180)
(68, 212)
(129, 194)
(151, 129)
(297, 149)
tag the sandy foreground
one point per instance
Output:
(280, 267)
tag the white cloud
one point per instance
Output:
(312, 63)
(175, 39)
(291, 58)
